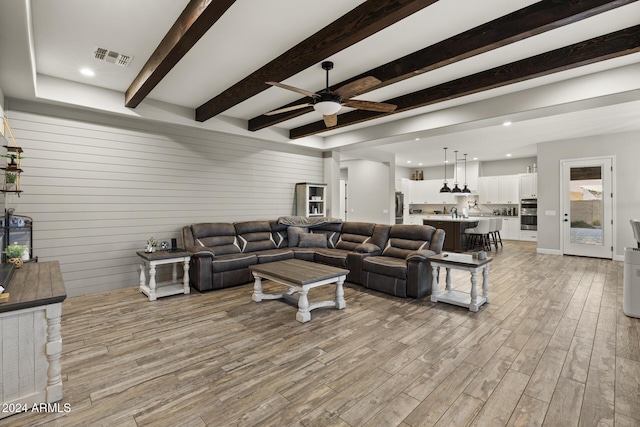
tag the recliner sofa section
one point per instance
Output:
(223, 252)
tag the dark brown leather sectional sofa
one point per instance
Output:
(385, 258)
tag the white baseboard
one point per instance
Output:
(618, 258)
(548, 251)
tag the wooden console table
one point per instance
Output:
(460, 262)
(30, 334)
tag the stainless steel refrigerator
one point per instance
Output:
(399, 207)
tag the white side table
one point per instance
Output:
(157, 290)
(460, 262)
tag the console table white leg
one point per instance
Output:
(53, 351)
(474, 292)
(435, 271)
(340, 302)
(152, 282)
(185, 277)
(448, 287)
(485, 282)
(257, 289)
(303, 315)
(143, 277)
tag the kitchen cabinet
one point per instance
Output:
(529, 186)
(311, 199)
(529, 235)
(415, 219)
(428, 192)
(499, 190)
(509, 186)
(510, 228)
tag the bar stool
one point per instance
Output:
(495, 232)
(479, 232)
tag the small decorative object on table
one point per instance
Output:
(151, 245)
(164, 245)
(16, 254)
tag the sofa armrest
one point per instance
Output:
(420, 255)
(200, 251)
(368, 248)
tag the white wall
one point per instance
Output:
(626, 149)
(98, 187)
(368, 191)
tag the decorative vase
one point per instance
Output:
(150, 248)
(17, 262)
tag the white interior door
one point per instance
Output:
(587, 207)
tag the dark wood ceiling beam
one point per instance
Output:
(356, 25)
(594, 50)
(194, 21)
(532, 20)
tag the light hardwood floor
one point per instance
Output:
(552, 348)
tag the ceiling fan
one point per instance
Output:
(328, 102)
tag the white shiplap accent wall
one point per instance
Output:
(98, 187)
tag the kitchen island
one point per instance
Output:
(30, 371)
(454, 238)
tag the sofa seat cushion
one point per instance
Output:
(228, 262)
(305, 254)
(272, 255)
(386, 266)
(336, 257)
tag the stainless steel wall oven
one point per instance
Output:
(528, 214)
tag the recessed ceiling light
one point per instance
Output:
(506, 123)
(419, 164)
(87, 72)
(508, 155)
(475, 158)
(408, 161)
(417, 139)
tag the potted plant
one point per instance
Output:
(151, 245)
(10, 181)
(16, 251)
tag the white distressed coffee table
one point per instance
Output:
(300, 276)
(464, 262)
(149, 261)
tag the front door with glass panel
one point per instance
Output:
(587, 208)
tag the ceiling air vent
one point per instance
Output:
(112, 57)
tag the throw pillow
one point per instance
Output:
(293, 234)
(309, 240)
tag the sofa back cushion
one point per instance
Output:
(406, 238)
(330, 231)
(279, 234)
(254, 236)
(354, 234)
(220, 237)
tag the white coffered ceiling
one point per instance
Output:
(44, 44)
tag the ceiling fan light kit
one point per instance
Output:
(328, 102)
(327, 108)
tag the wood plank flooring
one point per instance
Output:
(552, 348)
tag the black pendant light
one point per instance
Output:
(465, 189)
(455, 188)
(445, 188)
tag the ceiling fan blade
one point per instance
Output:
(371, 106)
(295, 89)
(286, 109)
(331, 120)
(357, 86)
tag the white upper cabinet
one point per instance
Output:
(529, 186)
(428, 192)
(499, 190)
